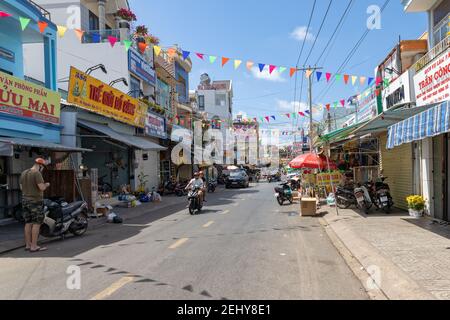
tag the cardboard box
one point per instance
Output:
(308, 207)
(102, 211)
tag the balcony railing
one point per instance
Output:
(433, 53)
(44, 12)
(97, 36)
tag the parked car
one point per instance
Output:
(237, 178)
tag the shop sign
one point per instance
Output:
(367, 106)
(398, 92)
(141, 68)
(155, 126)
(326, 179)
(24, 99)
(181, 134)
(93, 95)
(432, 83)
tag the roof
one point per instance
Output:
(130, 140)
(340, 134)
(41, 144)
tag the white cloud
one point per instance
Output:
(265, 74)
(299, 34)
(291, 106)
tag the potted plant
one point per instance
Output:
(416, 206)
(151, 39)
(140, 33)
(126, 15)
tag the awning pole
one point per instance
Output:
(331, 181)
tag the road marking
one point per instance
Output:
(137, 225)
(113, 288)
(206, 225)
(225, 212)
(178, 243)
(235, 204)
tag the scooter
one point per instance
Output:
(180, 189)
(381, 195)
(363, 199)
(194, 201)
(212, 186)
(62, 218)
(345, 197)
(284, 193)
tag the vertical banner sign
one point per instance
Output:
(93, 95)
(27, 100)
(155, 126)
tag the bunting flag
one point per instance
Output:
(142, 47)
(96, 38)
(386, 83)
(379, 80)
(343, 102)
(282, 69)
(157, 50)
(201, 56)
(61, 31)
(354, 79)
(112, 40)
(172, 52)
(4, 14)
(369, 81)
(293, 71)
(328, 76)
(225, 61)
(346, 78)
(237, 64)
(308, 73)
(338, 77)
(261, 67)
(288, 115)
(335, 104)
(24, 22)
(262, 119)
(42, 26)
(362, 80)
(271, 68)
(267, 118)
(79, 33)
(328, 107)
(186, 54)
(319, 75)
(273, 117)
(250, 65)
(294, 115)
(212, 59)
(302, 114)
(127, 44)
(307, 111)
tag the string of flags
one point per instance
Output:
(172, 52)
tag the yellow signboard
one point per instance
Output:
(91, 94)
(325, 179)
(25, 99)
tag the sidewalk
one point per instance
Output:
(412, 255)
(11, 236)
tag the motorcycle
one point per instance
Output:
(168, 188)
(381, 195)
(345, 197)
(274, 178)
(363, 198)
(62, 218)
(180, 189)
(194, 201)
(284, 193)
(212, 185)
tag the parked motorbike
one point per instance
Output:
(381, 195)
(180, 189)
(194, 201)
(345, 197)
(212, 185)
(363, 198)
(274, 178)
(168, 188)
(62, 218)
(284, 193)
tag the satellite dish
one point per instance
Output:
(205, 79)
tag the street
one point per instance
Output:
(242, 246)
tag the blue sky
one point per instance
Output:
(263, 31)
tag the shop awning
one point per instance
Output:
(429, 123)
(134, 141)
(41, 144)
(388, 118)
(340, 134)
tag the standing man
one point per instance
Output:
(33, 186)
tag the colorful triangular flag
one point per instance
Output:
(343, 102)
(362, 80)
(212, 59)
(24, 22)
(79, 33)
(354, 78)
(338, 77)
(273, 117)
(282, 69)
(225, 61)
(346, 78)
(369, 81)
(4, 14)
(308, 73)
(293, 71)
(172, 52)
(237, 64)
(328, 106)
(186, 54)
(261, 67)
(127, 44)
(328, 76)
(302, 114)
(272, 68)
(386, 81)
(42, 26)
(379, 80)
(319, 75)
(288, 115)
(250, 65)
(96, 37)
(112, 40)
(157, 50)
(268, 119)
(61, 31)
(142, 47)
(201, 56)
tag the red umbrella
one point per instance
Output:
(312, 161)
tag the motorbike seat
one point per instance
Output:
(67, 210)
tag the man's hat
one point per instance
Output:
(40, 161)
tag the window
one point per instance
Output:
(220, 99)
(441, 30)
(201, 103)
(94, 23)
(135, 87)
(163, 96)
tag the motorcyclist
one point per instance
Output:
(197, 182)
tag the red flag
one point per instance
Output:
(200, 55)
(301, 113)
(328, 107)
(224, 61)
(288, 115)
(346, 78)
(293, 71)
(42, 26)
(271, 68)
(343, 103)
(379, 80)
(112, 40)
(268, 119)
(142, 46)
(328, 75)
(4, 14)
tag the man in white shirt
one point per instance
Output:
(197, 182)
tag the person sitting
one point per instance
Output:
(202, 176)
(197, 182)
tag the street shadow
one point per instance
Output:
(135, 220)
(433, 226)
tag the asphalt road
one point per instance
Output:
(242, 246)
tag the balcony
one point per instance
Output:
(432, 54)
(44, 12)
(97, 36)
